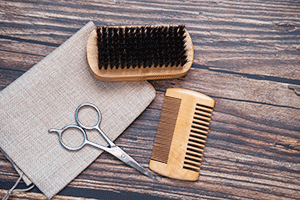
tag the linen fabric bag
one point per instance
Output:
(46, 96)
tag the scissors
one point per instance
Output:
(112, 148)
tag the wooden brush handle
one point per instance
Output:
(136, 74)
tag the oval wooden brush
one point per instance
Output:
(133, 53)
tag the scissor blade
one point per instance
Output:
(141, 169)
(124, 157)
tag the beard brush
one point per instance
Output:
(133, 53)
(181, 134)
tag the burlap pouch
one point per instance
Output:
(46, 97)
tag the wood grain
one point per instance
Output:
(246, 58)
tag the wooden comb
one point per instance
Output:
(181, 134)
(134, 53)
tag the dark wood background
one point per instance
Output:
(247, 57)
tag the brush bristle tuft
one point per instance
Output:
(136, 47)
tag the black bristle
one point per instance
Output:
(100, 49)
(139, 47)
(121, 48)
(148, 46)
(143, 47)
(136, 47)
(104, 45)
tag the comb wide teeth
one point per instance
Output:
(193, 157)
(196, 142)
(197, 121)
(141, 47)
(197, 135)
(198, 126)
(194, 154)
(194, 148)
(196, 139)
(199, 132)
(204, 108)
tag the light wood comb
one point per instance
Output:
(181, 134)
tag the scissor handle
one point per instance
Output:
(96, 126)
(60, 132)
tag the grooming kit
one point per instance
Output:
(103, 66)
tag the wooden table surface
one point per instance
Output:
(247, 57)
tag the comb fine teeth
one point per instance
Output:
(130, 53)
(181, 134)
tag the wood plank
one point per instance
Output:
(237, 87)
(19, 56)
(239, 152)
(261, 44)
(246, 58)
(243, 146)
